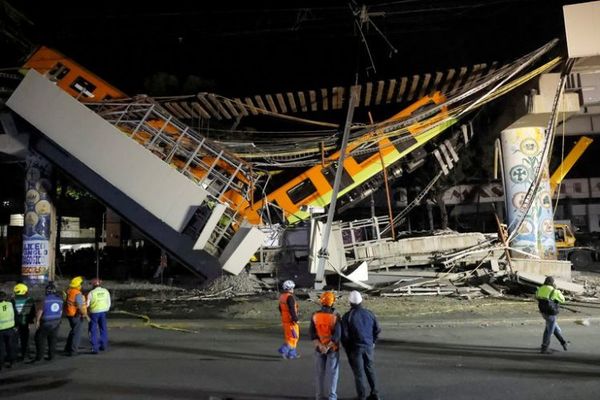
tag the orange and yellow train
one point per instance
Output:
(314, 187)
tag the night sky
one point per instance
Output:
(262, 47)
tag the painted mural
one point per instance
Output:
(521, 153)
(37, 251)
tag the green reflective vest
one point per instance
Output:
(100, 300)
(24, 306)
(544, 292)
(7, 315)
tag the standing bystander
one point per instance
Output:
(7, 330)
(288, 308)
(24, 307)
(326, 333)
(98, 303)
(360, 331)
(76, 312)
(47, 321)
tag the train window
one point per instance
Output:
(405, 143)
(83, 86)
(301, 191)
(58, 72)
(273, 213)
(361, 158)
(329, 174)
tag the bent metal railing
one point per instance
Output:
(226, 178)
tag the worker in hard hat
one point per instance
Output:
(98, 304)
(7, 330)
(48, 314)
(25, 313)
(288, 308)
(326, 333)
(76, 312)
(360, 331)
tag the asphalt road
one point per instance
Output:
(238, 360)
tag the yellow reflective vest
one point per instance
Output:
(7, 315)
(544, 292)
(99, 300)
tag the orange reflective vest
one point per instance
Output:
(286, 316)
(325, 326)
(72, 309)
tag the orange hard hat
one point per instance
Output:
(327, 299)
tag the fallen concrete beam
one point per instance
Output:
(537, 279)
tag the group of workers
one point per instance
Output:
(356, 331)
(18, 313)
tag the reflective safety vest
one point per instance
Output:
(53, 308)
(99, 300)
(72, 308)
(7, 315)
(325, 326)
(23, 304)
(547, 292)
(286, 316)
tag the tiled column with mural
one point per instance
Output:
(38, 251)
(521, 153)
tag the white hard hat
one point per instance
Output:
(289, 284)
(355, 297)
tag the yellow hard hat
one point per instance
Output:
(327, 299)
(76, 282)
(20, 289)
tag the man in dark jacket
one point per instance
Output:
(360, 331)
(47, 322)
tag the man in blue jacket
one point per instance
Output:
(360, 331)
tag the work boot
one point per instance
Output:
(284, 350)
(293, 354)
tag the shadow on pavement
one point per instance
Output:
(562, 363)
(211, 354)
(119, 391)
(20, 384)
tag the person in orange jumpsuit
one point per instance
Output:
(288, 308)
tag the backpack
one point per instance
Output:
(547, 306)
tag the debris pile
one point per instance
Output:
(225, 287)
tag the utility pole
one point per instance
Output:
(323, 254)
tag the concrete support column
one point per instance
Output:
(39, 231)
(521, 154)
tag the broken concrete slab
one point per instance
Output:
(555, 268)
(537, 279)
(489, 289)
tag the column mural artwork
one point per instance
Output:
(38, 260)
(521, 153)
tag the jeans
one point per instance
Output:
(47, 332)
(98, 323)
(361, 361)
(551, 328)
(327, 368)
(72, 345)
